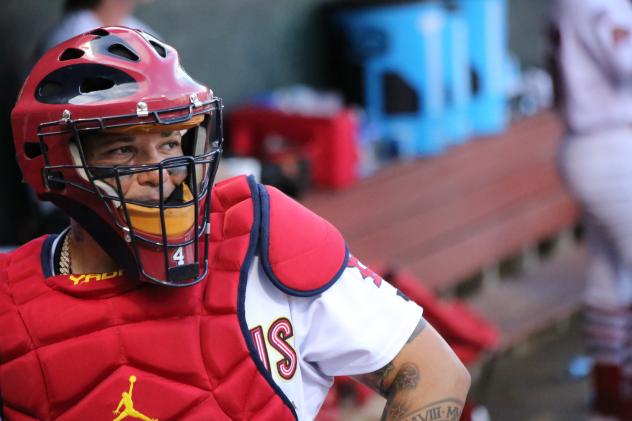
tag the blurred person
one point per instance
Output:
(594, 55)
(169, 297)
(81, 16)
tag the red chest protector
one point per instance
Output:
(102, 347)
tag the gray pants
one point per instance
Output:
(598, 170)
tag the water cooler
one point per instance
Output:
(396, 49)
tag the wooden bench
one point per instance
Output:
(452, 217)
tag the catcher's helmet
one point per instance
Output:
(120, 80)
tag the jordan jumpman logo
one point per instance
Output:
(126, 401)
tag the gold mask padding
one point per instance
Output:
(178, 221)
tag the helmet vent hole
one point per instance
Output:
(100, 32)
(50, 89)
(122, 51)
(162, 52)
(70, 54)
(32, 149)
(55, 180)
(95, 84)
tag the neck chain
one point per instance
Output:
(64, 257)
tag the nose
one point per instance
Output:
(149, 155)
(152, 178)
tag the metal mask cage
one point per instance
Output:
(114, 200)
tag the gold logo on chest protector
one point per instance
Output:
(128, 405)
(89, 277)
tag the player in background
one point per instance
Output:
(593, 44)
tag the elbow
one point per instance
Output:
(464, 377)
(461, 378)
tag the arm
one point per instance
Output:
(425, 381)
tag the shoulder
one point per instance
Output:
(302, 253)
(22, 259)
(27, 254)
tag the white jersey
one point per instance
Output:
(596, 68)
(356, 326)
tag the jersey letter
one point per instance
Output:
(279, 333)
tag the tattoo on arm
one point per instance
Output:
(398, 385)
(444, 410)
(407, 379)
(399, 406)
(378, 379)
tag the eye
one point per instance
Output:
(123, 150)
(171, 145)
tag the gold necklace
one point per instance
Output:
(64, 257)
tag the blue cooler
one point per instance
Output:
(398, 47)
(457, 126)
(488, 39)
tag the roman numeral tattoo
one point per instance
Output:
(444, 410)
(397, 384)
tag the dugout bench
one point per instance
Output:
(489, 220)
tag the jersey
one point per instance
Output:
(356, 326)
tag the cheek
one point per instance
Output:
(126, 182)
(177, 176)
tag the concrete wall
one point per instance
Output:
(239, 46)
(243, 46)
(527, 26)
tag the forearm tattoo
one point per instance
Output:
(407, 378)
(399, 407)
(444, 410)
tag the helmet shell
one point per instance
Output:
(110, 77)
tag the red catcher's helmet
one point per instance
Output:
(116, 79)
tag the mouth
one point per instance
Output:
(150, 202)
(176, 197)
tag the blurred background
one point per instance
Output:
(423, 130)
